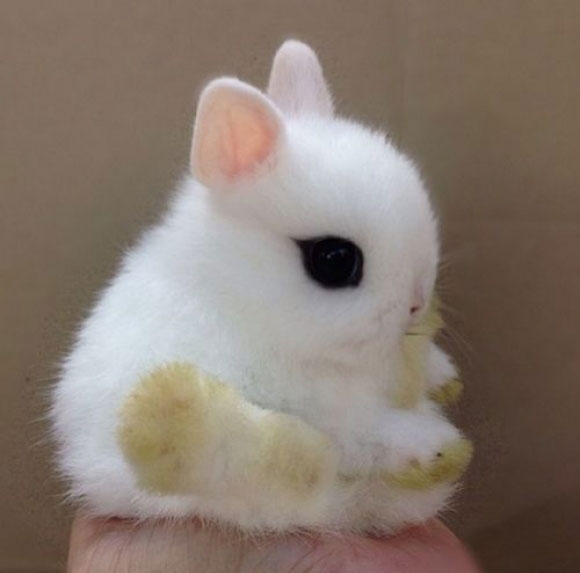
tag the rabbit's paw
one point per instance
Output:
(448, 464)
(165, 424)
(447, 393)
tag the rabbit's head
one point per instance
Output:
(317, 233)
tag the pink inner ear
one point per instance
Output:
(247, 140)
(236, 132)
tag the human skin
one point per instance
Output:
(121, 546)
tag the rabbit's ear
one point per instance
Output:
(297, 83)
(236, 134)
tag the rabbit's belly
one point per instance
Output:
(346, 415)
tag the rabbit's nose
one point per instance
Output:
(418, 300)
(416, 307)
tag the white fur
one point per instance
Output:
(219, 282)
(297, 83)
(440, 369)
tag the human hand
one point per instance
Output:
(123, 546)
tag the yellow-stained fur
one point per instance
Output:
(447, 394)
(450, 463)
(412, 384)
(415, 344)
(176, 417)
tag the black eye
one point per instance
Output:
(332, 262)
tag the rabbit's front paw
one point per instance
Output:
(421, 450)
(446, 465)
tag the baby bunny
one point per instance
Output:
(264, 358)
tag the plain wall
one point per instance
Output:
(97, 100)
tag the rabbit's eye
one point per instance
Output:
(332, 262)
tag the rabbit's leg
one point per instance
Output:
(186, 433)
(443, 383)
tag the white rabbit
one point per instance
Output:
(248, 363)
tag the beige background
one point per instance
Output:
(95, 114)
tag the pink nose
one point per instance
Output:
(417, 301)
